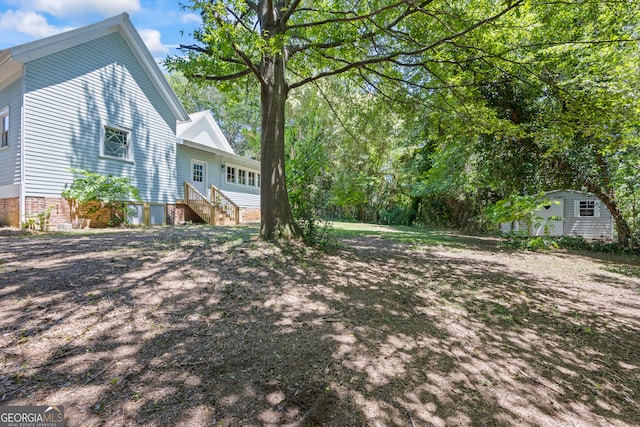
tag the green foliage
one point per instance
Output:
(111, 192)
(520, 209)
(236, 110)
(39, 221)
(547, 243)
(307, 165)
(534, 244)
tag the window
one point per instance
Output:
(587, 208)
(231, 174)
(4, 127)
(198, 172)
(117, 143)
(242, 176)
(252, 179)
(258, 182)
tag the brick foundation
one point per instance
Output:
(185, 213)
(250, 215)
(10, 212)
(59, 210)
(170, 214)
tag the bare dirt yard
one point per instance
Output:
(204, 326)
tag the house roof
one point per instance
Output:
(12, 59)
(204, 130)
(203, 133)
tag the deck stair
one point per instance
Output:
(218, 209)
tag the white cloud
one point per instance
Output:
(72, 8)
(30, 23)
(191, 18)
(152, 39)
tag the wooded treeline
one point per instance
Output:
(543, 97)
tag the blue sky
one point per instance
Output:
(159, 22)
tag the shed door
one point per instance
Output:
(553, 228)
(199, 176)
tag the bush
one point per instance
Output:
(109, 191)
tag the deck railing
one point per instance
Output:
(225, 204)
(199, 204)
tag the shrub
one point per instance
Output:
(109, 191)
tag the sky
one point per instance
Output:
(159, 22)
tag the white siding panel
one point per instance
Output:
(598, 227)
(244, 200)
(184, 157)
(11, 96)
(70, 95)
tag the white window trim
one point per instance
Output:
(4, 112)
(205, 170)
(103, 129)
(246, 176)
(226, 174)
(596, 208)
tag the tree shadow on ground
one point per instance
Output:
(207, 326)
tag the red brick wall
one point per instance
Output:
(250, 215)
(59, 209)
(185, 213)
(10, 212)
(170, 212)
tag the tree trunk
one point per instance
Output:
(277, 220)
(624, 231)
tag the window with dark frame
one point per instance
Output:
(231, 174)
(198, 172)
(587, 208)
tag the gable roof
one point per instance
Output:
(203, 133)
(204, 130)
(13, 58)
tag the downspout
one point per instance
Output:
(23, 199)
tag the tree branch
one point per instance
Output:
(393, 55)
(220, 78)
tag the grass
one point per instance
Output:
(414, 236)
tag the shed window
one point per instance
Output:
(117, 143)
(4, 127)
(587, 208)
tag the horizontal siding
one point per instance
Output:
(98, 82)
(243, 195)
(239, 188)
(587, 227)
(244, 200)
(11, 96)
(184, 156)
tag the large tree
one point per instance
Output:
(285, 44)
(548, 100)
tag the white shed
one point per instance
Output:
(582, 213)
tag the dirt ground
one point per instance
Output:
(204, 326)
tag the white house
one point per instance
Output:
(582, 214)
(94, 98)
(205, 159)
